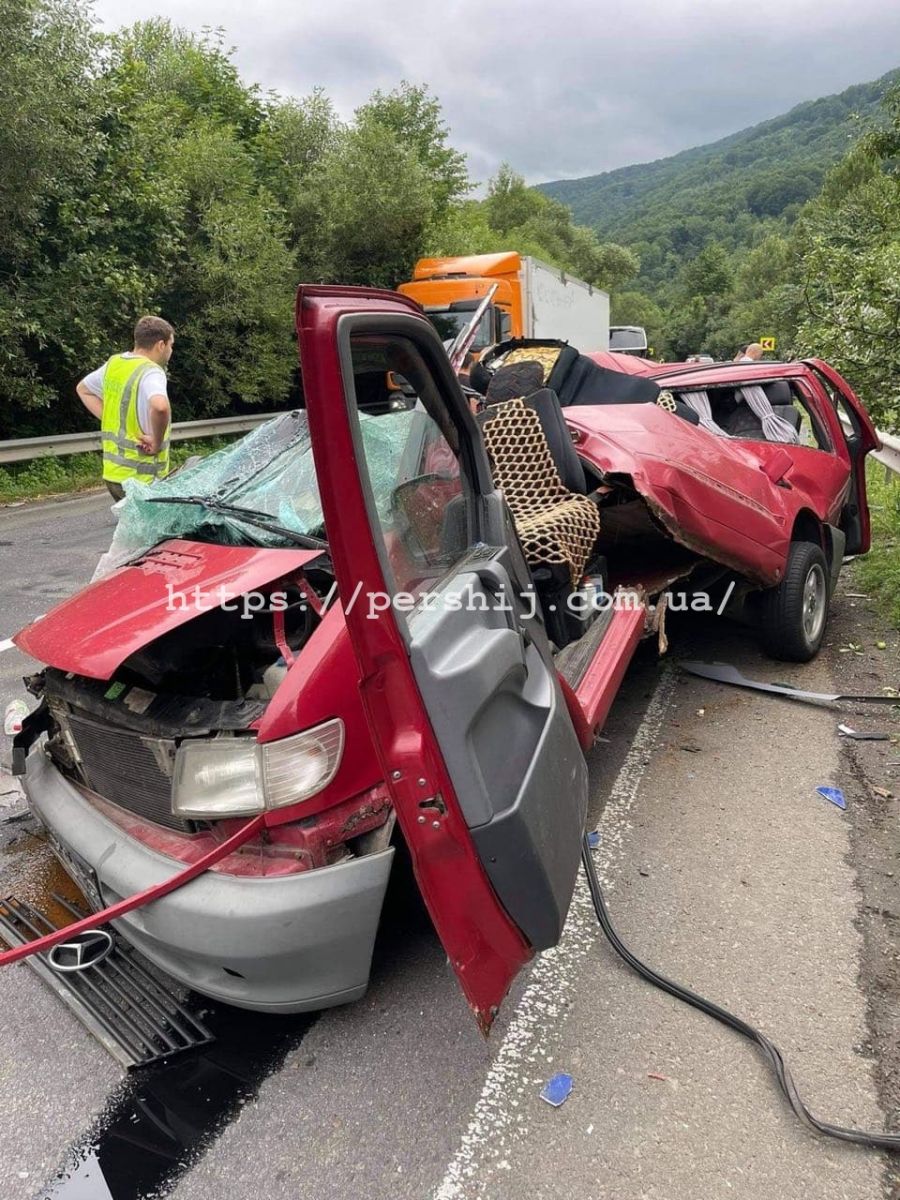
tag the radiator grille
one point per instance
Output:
(123, 769)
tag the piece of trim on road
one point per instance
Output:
(498, 1115)
(726, 673)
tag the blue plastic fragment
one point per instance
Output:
(594, 838)
(835, 795)
(556, 1090)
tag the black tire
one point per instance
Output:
(795, 613)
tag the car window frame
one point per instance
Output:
(425, 341)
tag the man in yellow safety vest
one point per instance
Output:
(129, 398)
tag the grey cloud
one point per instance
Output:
(563, 90)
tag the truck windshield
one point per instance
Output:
(449, 321)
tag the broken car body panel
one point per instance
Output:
(96, 630)
(713, 496)
(735, 500)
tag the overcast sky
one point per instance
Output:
(559, 88)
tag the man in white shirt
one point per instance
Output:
(128, 395)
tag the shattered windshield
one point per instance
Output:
(270, 472)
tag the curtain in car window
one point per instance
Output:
(775, 428)
(699, 402)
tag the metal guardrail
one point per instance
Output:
(889, 454)
(23, 449)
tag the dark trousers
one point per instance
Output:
(115, 489)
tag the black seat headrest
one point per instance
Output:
(514, 380)
(779, 392)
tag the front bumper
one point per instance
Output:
(282, 944)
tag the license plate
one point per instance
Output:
(82, 873)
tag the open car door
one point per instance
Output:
(860, 437)
(456, 675)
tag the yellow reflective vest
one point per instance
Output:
(120, 428)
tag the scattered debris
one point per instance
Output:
(134, 1015)
(726, 673)
(833, 795)
(556, 1091)
(857, 596)
(656, 1075)
(691, 749)
(881, 645)
(16, 712)
(846, 731)
(883, 793)
(701, 712)
(594, 839)
(850, 648)
(658, 624)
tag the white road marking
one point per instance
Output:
(8, 643)
(496, 1122)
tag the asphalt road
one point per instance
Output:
(722, 866)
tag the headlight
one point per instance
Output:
(235, 777)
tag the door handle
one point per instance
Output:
(496, 583)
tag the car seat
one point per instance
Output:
(556, 525)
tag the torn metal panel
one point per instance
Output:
(726, 673)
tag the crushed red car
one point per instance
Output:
(366, 614)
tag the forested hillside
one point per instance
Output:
(789, 230)
(733, 191)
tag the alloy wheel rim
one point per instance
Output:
(814, 601)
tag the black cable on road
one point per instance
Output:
(877, 1140)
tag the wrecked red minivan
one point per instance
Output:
(367, 613)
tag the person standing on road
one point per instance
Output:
(129, 398)
(751, 353)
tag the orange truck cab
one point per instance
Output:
(532, 300)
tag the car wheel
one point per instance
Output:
(796, 611)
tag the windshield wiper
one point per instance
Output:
(245, 514)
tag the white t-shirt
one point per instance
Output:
(153, 383)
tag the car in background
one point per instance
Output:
(628, 339)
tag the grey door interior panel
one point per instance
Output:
(467, 661)
(531, 851)
(508, 742)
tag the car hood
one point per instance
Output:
(98, 628)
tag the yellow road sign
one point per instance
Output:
(767, 343)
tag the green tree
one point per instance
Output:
(634, 308)
(184, 133)
(370, 203)
(414, 117)
(849, 244)
(228, 289)
(294, 138)
(48, 142)
(532, 223)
